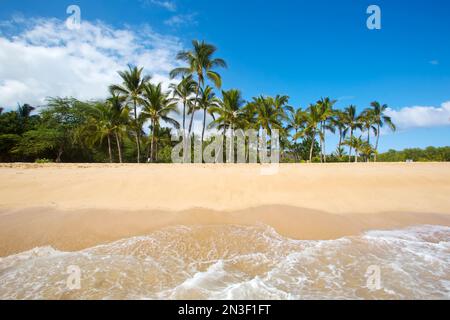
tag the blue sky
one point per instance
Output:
(305, 49)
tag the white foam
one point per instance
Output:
(238, 262)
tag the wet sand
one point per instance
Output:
(76, 206)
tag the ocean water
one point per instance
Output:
(238, 262)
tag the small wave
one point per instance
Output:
(238, 262)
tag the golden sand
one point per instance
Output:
(75, 206)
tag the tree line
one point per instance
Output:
(135, 122)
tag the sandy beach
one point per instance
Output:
(76, 206)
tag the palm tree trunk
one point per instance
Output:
(119, 149)
(138, 138)
(350, 146)
(320, 141)
(184, 116)
(197, 91)
(204, 125)
(376, 144)
(313, 138)
(109, 149)
(340, 143)
(152, 144)
(324, 146)
(231, 145)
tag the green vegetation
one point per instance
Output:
(135, 122)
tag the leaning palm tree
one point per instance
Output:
(183, 92)
(132, 88)
(381, 119)
(200, 63)
(352, 122)
(157, 106)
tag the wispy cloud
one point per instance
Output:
(46, 59)
(421, 116)
(434, 62)
(181, 20)
(166, 4)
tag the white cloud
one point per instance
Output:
(420, 116)
(47, 59)
(181, 19)
(169, 5)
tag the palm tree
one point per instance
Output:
(352, 122)
(183, 92)
(296, 120)
(267, 116)
(120, 113)
(132, 88)
(229, 112)
(356, 143)
(1, 110)
(380, 120)
(157, 106)
(338, 121)
(24, 114)
(99, 125)
(207, 102)
(368, 123)
(200, 63)
(313, 117)
(326, 111)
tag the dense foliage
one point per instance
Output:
(134, 124)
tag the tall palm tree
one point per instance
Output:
(157, 106)
(352, 122)
(326, 110)
(207, 101)
(313, 117)
(381, 119)
(132, 87)
(183, 92)
(200, 63)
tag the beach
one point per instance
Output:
(63, 211)
(73, 206)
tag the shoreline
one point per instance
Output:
(73, 230)
(76, 206)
